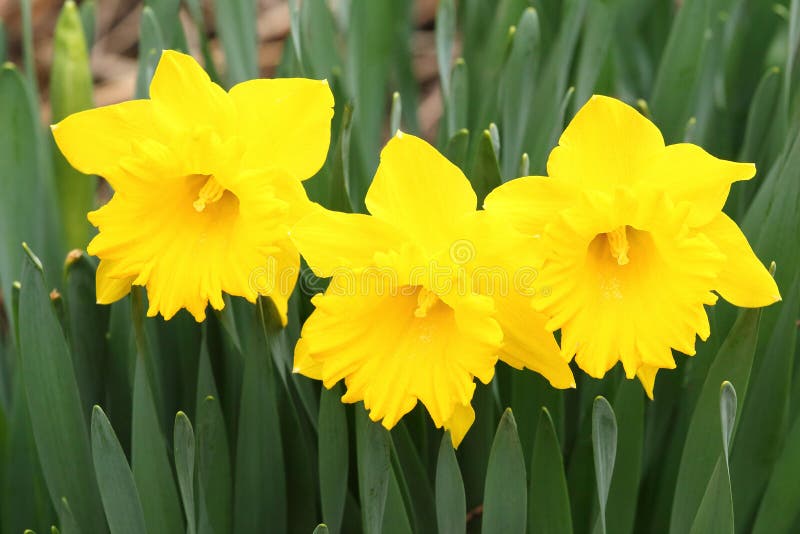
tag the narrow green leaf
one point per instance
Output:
(778, 511)
(88, 324)
(372, 453)
(451, 505)
(213, 467)
(486, 173)
(71, 92)
(396, 113)
(318, 39)
(412, 476)
(88, 10)
(733, 363)
(459, 97)
(333, 457)
(59, 427)
(3, 42)
(548, 499)
(506, 492)
(151, 44)
(456, 150)
(236, 24)
(517, 90)
(597, 36)
(445, 34)
(604, 446)
(120, 499)
(321, 529)
(150, 460)
(715, 513)
(396, 516)
(184, 449)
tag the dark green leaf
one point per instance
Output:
(506, 494)
(184, 449)
(120, 499)
(236, 24)
(374, 470)
(548, 500)
(451, 506)
(333, 457)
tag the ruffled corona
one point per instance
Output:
(635, 240)
(423, 297)
(206, 185)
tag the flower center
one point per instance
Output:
(618, 243)
(208, 194)
(426, 299)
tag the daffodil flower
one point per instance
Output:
(425, 294)
(636, 243)
(206, 185)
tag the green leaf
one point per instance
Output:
(213, 467)
(150, 460)
(184, 449)
(456, 150)
(451, 505)
(715, 513)
(412, 477)
(596, 39)
(778, 511)
(733, 363)
(506, 492)
(486, 173)
(624, 491)
(88, 325)
(71, 92)
(321, 529)
(120, 499)
(59, 428)
(548, 499)
(260, 476)
(517, 90)
(396, 113)
(151, 44)
(372, 455)
(88, 10)
(445, 35)
(333, 457)
(18, 198)
(318, 39)
(604, 446)
(236, 24)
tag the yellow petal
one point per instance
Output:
(287, 123)
(94, 141)
(743, 280)
(687, 173)
(531, 202)
(607, 144)
(647, 376)
(333, 241)
(391, 357)
(110, 289)
(527, 343)
(419, 190)
(460, 421)
(182, 90)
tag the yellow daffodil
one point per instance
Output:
(635, 239)
(206, 185)
(421, 294)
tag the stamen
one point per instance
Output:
(426, 300)
(209, 193)
(618, 242)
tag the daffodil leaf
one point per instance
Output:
(506, 492)
(59, 427)
(260, 473)
(598, 33)
(412, 478)
(457, 147)
(333, 457)
(236, 25)
(120, 498)
(149, 459)
(474, 451)
(445, 34)
(151, 43)
(71, 92)
(166, 12)
(623, 493)
(517, 89)
(184, 451)
(777, 511)
(88, 9)
(604, 446)
(318, 39)
(88, 324)
(321, 529)
(451, 506)
(486, 173)
(3, 46)
(198, 18)
(715, 512)
(733, 362)
(548, 500)
(374, 470)
(213, 468)
(530, 392)
(395, 115)
(396, 516)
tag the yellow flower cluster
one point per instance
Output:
(619, 248)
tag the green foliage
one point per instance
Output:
(206, 429)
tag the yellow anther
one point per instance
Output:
(618, 243)
(426, 300)
(208, 194)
